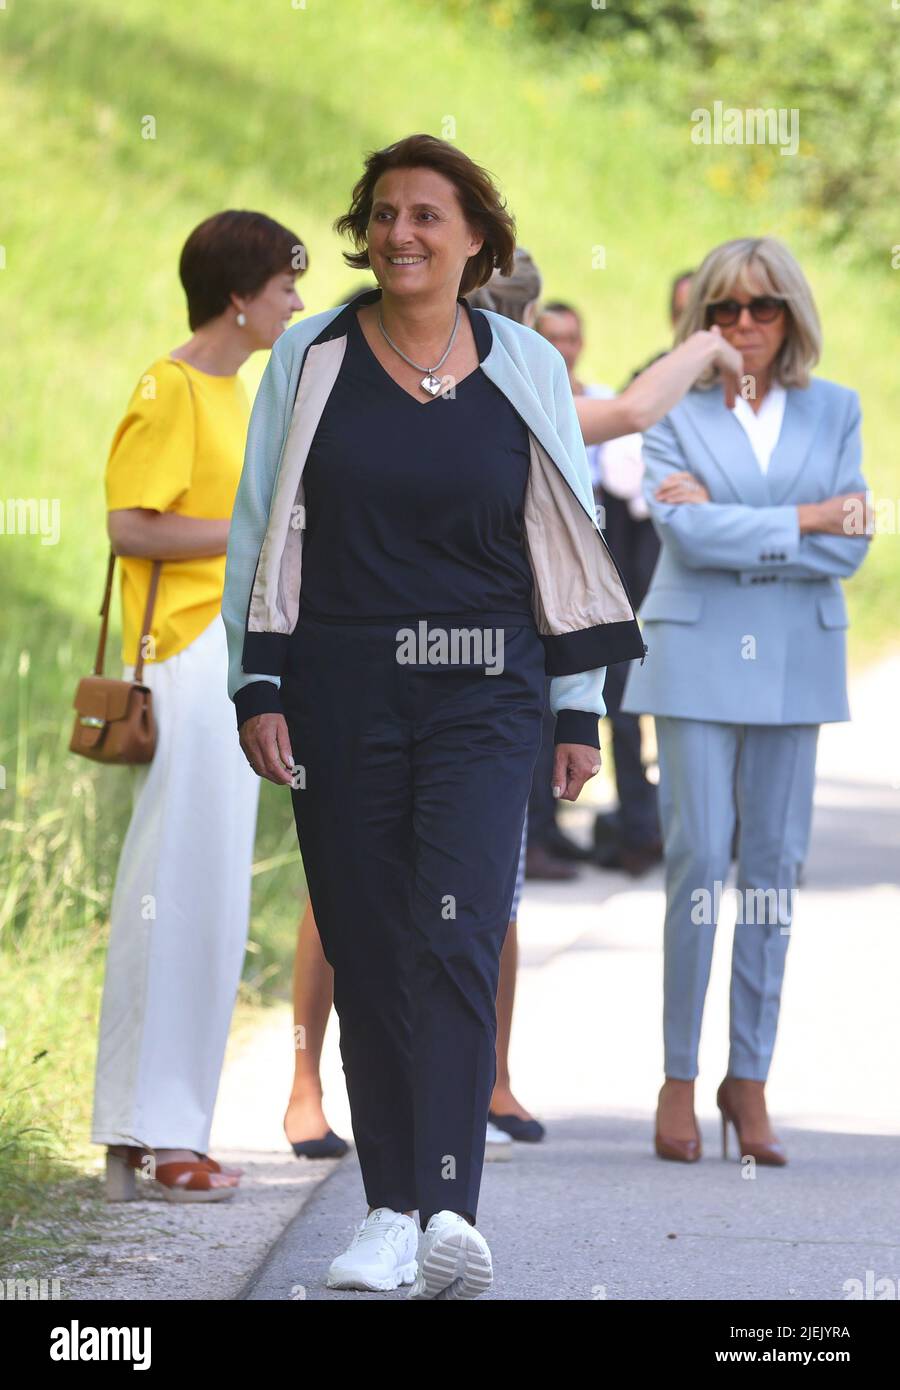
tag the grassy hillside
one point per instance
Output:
(271, 107)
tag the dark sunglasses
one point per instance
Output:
(764, 308)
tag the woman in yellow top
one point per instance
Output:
(181, 901)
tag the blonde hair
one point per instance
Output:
(774, 271)
(510, 294)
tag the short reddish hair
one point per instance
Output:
(235, 253)
(479, 198)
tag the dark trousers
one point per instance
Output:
(638, 813)
(635, 545)
(409, 822)
(638, 810)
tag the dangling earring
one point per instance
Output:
(241, 318)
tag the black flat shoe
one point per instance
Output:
(332, 1146)
(526, 1131)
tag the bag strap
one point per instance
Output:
(145, 626)
(148, 618)
(104, 614)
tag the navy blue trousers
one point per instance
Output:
(415, 782)
(638, 807)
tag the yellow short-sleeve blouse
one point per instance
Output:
(179, 448)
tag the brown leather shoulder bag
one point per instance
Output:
(114, 720)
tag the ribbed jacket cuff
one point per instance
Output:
(259, 697)
(577, 726)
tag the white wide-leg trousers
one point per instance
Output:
(180, 912)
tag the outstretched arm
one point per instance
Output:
(653, 394)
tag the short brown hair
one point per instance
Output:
(235, 253)
(482, 205)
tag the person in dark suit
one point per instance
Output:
(629, 838)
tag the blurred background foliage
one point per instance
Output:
(835, 62)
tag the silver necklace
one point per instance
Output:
(430, 382)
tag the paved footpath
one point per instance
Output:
(590, 1212)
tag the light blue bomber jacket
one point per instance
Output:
(582, 610)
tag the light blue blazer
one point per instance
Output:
(745, 618)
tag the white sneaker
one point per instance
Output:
(454, 1260)
(498, 1144)
(381, 1255)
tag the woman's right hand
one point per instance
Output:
(729, 362)
(836, 516)
(267, 747)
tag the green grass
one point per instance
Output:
(272, 107)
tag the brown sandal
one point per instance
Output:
(178, 1181)
(216, 1167)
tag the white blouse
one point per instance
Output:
(762, 427)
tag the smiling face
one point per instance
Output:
(270, 311)
(417, 237)
(758, 343)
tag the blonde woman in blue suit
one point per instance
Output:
(745, 620)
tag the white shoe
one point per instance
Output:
(381, 1255)
(454, 1260)
(498, 1144)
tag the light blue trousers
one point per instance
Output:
(712, 775)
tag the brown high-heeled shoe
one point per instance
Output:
(678, 1150)
(773, 1154)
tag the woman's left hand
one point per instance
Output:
(573, 765)
(681, 487)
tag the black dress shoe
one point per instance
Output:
(526, 1131)
(332, 1146)
(608, 856)
(635, 860)
(607, 829)
(541, 864)
(562, 847)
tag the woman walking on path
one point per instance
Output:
(745, 620)
(182, 894)
(429, 515)
(514, 295)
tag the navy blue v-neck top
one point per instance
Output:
(415, 509)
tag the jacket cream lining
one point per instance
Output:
(576, 584)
